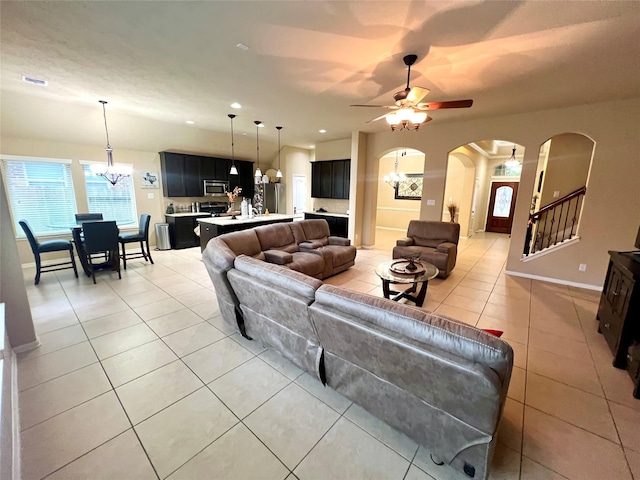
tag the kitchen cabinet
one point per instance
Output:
(244, 179)
(338, 225)
(184, 175)
(181, 234)
(331, 179)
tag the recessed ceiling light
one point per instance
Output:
(322, 131)
(34, 80)
(242, 46)
(190, 122)
(236, 105)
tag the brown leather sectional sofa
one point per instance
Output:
(304, 246)
(441, 382)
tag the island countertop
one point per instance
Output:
(330, 214)
(227, 221)
(187, 214)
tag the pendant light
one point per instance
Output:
(110, 172)
(512, 162)
(258, 171)
(279, 172)
(234, 170)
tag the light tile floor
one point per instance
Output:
(140, 378)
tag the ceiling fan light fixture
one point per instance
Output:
(393, 119)
(418, 117)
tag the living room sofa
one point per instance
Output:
(305, 246)
(433, 242)
(441, 382)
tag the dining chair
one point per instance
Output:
(142, 236)
(88, 217)
(101, 237)
(46, 247)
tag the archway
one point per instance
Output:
(398, 204)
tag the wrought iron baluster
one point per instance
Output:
(544, 229)
(575, 215)
(564, 230)
(553, 219)
(559, 222)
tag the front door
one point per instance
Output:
(501, 206)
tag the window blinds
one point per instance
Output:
(115, 202)
(41, 192)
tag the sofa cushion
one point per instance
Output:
(445, 334)
(276, 236)
(316, 229)
(278, 257)
(428, 242)
(440, 231)
(311, 264)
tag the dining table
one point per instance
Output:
(110, 262)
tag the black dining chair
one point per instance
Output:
(46, 247)
(88, 217)
(101, 237)
(141, 236)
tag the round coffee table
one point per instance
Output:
(425, 272)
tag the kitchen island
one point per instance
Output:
(213, 226)
(338, 222)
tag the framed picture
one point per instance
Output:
(411, 188)
(150, 180)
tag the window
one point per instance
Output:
(41, 192)
(115, 202)
(506, 171)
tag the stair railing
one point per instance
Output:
(554, 223)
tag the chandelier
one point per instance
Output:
(512, 162)
(109, 172)
(234, 170)
(406, 118)
(279, 172)
(394, 178)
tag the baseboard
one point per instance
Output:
(27, 346)
(16, 470)
(555, 280)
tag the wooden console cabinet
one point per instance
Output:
(619, 309)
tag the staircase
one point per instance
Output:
(554, 224)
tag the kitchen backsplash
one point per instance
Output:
(332, 205)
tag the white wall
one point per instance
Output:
(614, 174)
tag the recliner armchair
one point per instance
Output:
(433, 242)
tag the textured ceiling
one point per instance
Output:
(307, 61)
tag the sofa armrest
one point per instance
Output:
(404, 242)
(278, 257)
(345, 242)
(308, 245)
(446, 247)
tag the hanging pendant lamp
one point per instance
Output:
(109, 172)
(258, 171)
(279, 172)
(234, 170)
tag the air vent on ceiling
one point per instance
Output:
(35, 81)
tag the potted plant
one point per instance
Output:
(453, 209)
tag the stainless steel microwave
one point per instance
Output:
(215, 188)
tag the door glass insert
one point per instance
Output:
(502, 205)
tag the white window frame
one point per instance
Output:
(45, 209)
(131, 222)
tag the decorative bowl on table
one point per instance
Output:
(408, 266)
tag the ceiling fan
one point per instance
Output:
(408, 112)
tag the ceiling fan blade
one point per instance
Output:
(375, 106)
(376, 119)
(451, 104)
(416, 94)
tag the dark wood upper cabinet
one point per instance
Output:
(331, 179)
(184, 175)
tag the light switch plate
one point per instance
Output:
(150, 195)
(556, 193)
(431, 202)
